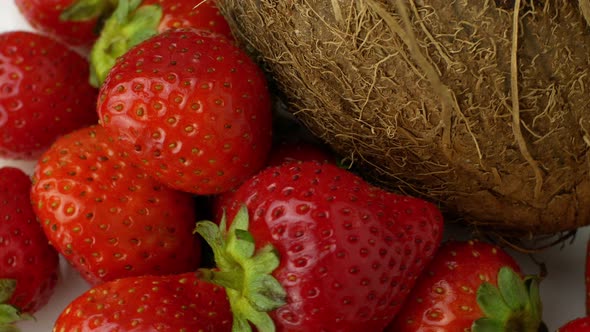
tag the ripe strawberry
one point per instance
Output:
(281, 152)
(136, 21)
(107, 217)
(192, 109)
(346, 254)
(28, 265)
(471, 286)
(149, 303)
(577, 325)
(52, 18)
(44, 93)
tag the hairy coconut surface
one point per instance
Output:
(479, 105)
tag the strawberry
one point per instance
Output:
(70, 21)
(320, 248)
(135, 21)
(191, 108)
(577, 325)
(44, 93)
(149, 303)
(471, 286)
(28, 265)
(107, 217)
(281, 152)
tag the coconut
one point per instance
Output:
(479, 105)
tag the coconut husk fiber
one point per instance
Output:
(479, 105)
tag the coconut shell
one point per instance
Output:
(478, 105)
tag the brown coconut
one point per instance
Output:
(480, 105)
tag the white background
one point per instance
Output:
(563, 290)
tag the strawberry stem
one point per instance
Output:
(128, 26)
(514, 305)
(228, 280)
(245, 272)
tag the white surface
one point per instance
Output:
(563, 285)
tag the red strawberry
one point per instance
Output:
(107, 217)
(134, 22)
(345, 254)
(281, 152)
(28, 265)
(44, 93)
(577, 325)
(48, 17)
(192, 109)
(471, 286)
(149, 303)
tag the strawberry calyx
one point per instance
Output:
(514, 305)
(244, 271)
(129, 25)
(9, 314)
(85, 10)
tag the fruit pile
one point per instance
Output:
(168, 176)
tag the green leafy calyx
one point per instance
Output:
(244, 271)
(84, 10)
(129, 25)
(514, 305)
(9, 314)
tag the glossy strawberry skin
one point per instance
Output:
(444, 297)
(25, 254)
(149, 303)
(577, 325)
(44, 94)
(203, 15)
(107, 217)
(192, 109)
(281, 152)
(43, 15)
(350, 252)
